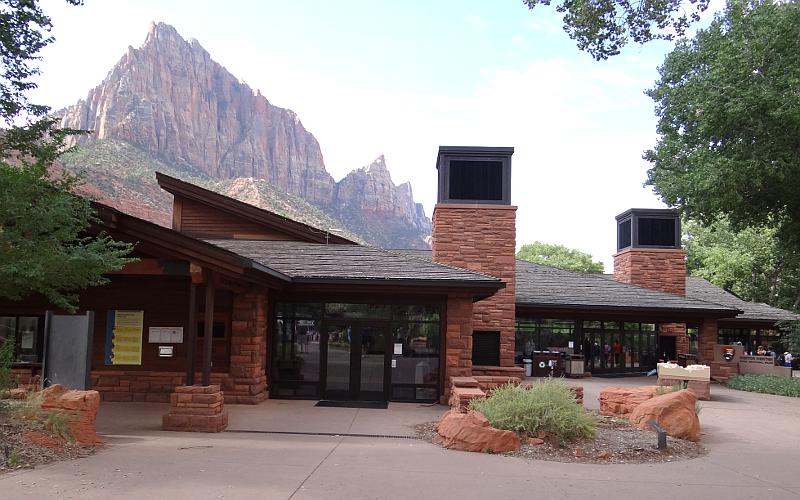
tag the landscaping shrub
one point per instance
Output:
(547, 406)
(6, 358)
(767, 384)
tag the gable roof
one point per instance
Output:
(700, 288)
(318, 263)
(266, 218)
(151, 237)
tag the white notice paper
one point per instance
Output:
(398, 349)
(165, 335)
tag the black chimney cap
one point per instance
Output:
(474, 175)
(648, 228)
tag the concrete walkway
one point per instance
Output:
(754, 443)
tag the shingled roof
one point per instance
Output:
(539, 286)
(702, 289)
(549, 287)
(314, 263)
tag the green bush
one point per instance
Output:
(768, 384)
(6, 359)
(547, 406)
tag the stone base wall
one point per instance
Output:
(196, 408)
(722, 371)
(700, 388)
(148, 386)
(504, 372)
(661, 269)
(26, 377)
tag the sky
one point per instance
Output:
(402, 78)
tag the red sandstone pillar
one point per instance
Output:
(706, 340)
(248, 349)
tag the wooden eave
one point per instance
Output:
(165, 242)
(273, 221)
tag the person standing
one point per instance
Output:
(787, 359)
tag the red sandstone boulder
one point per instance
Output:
(621, 401)
(54, 390)
(674, 412)
(80, 407)
(472, 432)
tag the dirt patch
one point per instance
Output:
(26, 443)
(617, 442)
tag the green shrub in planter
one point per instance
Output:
(767, 384)
(547, 406)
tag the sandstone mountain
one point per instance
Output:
(168, 105)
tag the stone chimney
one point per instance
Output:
(649, 252)
(649, 255)
(474, 227)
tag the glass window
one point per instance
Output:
(297, 346)
(28, 339)
(296, 352)
(8, 327)
(355, 311)
(415, 313)
(26, 333)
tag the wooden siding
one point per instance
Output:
(203, 221)
(165, 302)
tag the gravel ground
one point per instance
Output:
(616, 442)
(17, 451)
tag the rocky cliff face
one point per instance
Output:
(170, 100)
(366, 198)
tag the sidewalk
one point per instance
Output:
(754, 443)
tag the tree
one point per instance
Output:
(43, 245)
(729, 121)
(603, 28)
(750, 263)
(560, 257)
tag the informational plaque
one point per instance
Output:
(124, 331)
(165, 335)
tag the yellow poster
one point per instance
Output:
(124, 331)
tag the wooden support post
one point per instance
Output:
(208, 330)
(191, 335)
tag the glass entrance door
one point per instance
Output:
(356, 362)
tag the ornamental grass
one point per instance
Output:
(545, 407)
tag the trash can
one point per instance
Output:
(575, 366)
(528, 364)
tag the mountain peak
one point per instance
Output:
(161, 31)
(170, 100)
(379, 164)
